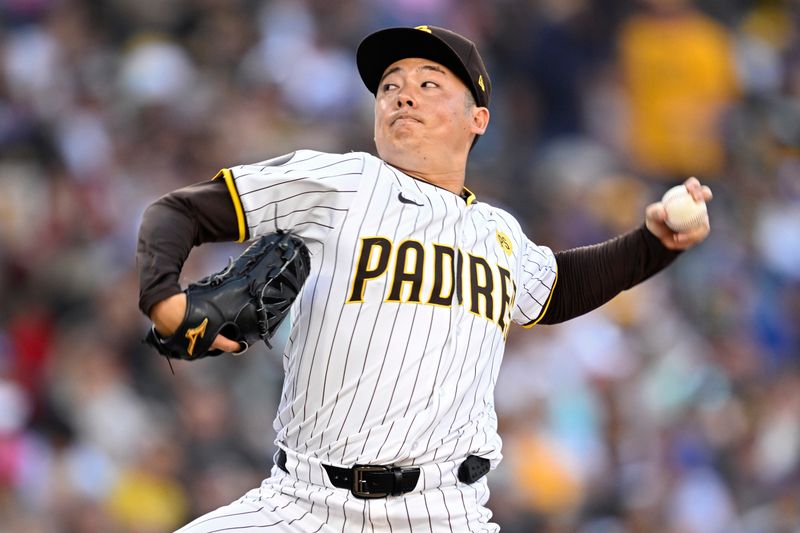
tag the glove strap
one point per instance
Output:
(157, 341)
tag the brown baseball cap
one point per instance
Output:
(380, 49)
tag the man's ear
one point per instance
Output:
(480, 120)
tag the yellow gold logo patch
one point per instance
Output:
(424, 28)
(480, 83)
(504, 242)
(193, 333)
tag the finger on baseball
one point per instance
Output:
(655, 221)
(225, 344)
(656, 212)
(685, 239)
(700, 192)
(655, 217)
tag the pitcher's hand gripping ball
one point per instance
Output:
(683, 212)
(245, 302)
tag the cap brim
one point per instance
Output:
(382, 48)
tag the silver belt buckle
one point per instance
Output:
(358, 480)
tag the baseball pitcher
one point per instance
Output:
(406, 290)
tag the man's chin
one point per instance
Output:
(398, 145)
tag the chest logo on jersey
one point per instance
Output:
(437, 275)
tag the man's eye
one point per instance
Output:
(429, 84)
(388, 86)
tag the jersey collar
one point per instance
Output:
(468, 196)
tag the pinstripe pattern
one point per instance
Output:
(373, 378)
(283, 504)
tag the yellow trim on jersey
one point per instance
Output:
(227, 175)
(546, 305)
(468, 196)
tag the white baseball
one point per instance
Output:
(683, 212)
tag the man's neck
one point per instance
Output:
(451, 181)
(430, 165)
(449, 173)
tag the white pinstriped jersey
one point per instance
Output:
(399, 331)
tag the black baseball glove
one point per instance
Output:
(245, 302)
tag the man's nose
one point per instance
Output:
(404, 100)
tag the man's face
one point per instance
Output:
(420, 103)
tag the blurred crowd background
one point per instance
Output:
(673, 409)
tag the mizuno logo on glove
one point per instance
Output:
(246, 301)
(193, 333)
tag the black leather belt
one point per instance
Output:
(378, 481)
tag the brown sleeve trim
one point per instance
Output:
(590, 276)
(171, 226)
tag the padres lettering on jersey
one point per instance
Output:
(398, 333)
(489, 288)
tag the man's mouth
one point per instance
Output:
(404, 117)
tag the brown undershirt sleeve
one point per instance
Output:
(590, 276)
(171, 226)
